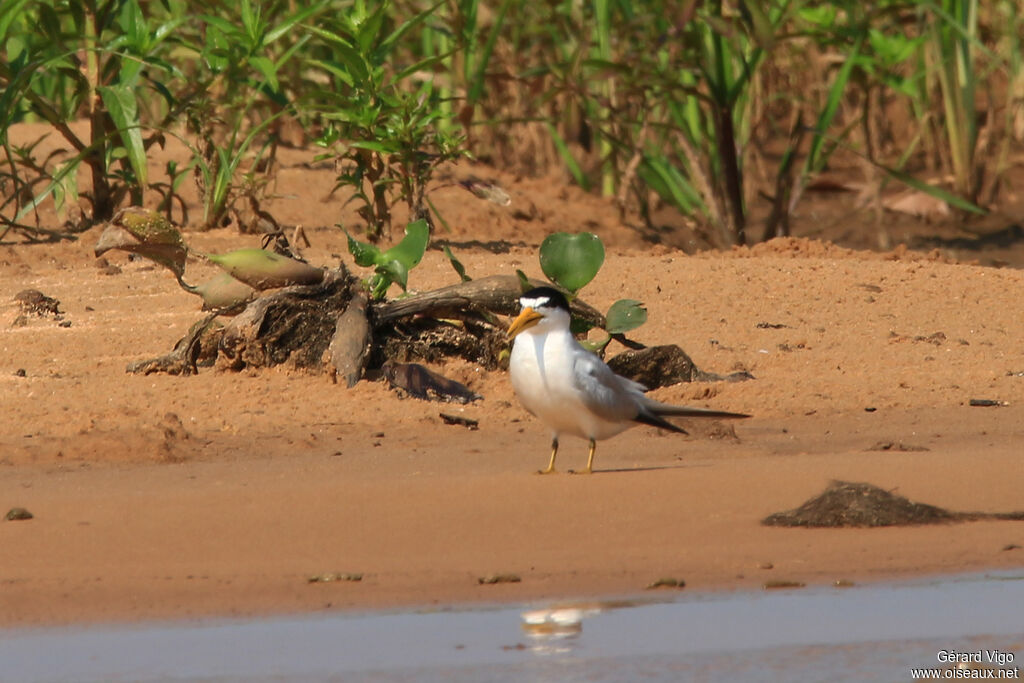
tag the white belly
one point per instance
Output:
(541, 378)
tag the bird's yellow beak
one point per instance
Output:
(527, 318)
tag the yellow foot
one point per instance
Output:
(548, 470)
(585, 471)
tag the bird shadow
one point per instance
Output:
(645, 468)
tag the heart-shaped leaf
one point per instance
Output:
(571, 260)
(625, 315)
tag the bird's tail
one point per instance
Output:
(659, 408)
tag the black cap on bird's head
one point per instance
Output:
(544, 297)
(534, 304)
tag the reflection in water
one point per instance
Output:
(864, 633)
(552, 631)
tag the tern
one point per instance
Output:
(569, 388)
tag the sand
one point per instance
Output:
(223, 493)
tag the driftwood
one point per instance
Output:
(333, 327)
(294, 324)
(201, 341)
(351, 341)
(495, 293)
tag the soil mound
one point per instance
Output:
(846, 504)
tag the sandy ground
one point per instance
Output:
(221, 494)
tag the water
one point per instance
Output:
(864, 633)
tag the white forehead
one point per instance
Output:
(535, 301)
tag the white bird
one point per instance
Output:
(572, 390)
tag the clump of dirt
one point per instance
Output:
(663, 366)
(849, 504)
(34, 302)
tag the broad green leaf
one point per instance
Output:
(134, 24)
(625, 315)
(251, 22)
(396, 272)
(571, 261)
(365, 254)
(120, 103)
(823, 15)
(410, 250)
(222, 24)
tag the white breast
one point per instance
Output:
(540, 368)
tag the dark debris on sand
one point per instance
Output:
(858, 504)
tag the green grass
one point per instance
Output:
(652, 103)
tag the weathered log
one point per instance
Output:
(495, 293)
(350, 344)
(199, 343)
(295, 324)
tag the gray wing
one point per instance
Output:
(608, 395)
(617, 398)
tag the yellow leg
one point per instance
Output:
(590, 459)
(551, 465)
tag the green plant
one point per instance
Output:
(19, 181)
(96, 59)
(384, 126)
(391, 266)
(244, 49)
(217, 166)
(169, 191)
(571, 262)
